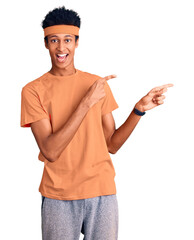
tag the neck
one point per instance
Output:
(69, 70)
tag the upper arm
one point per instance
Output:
(108, 125)
(41, 130)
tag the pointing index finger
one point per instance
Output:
(167, 85)
(162, 87)
(110, 76)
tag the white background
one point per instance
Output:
(147, 44)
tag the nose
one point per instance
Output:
(61, 46)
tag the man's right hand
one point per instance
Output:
(53, 144)
(96, 91)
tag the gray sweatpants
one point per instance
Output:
(96, 218)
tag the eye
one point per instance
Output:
(68, 40)
(53, 40)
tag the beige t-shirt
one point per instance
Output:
(84, 169)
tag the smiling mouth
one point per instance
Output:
(62, 57)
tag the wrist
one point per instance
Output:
(85, 103)
(139, 107)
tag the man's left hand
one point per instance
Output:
(153, 99)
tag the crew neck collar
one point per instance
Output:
(62, 77)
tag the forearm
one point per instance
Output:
(124, 131)
(59, 140)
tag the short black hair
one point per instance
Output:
(59, 16)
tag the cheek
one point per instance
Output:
(52, 46)
(73, 48)
(50, 50)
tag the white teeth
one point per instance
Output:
(62, 55)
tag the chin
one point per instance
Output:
(61, 65)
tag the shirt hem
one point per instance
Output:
(76, 197)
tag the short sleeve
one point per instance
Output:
(31, 107)
(109, 103)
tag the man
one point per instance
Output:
(70, 114)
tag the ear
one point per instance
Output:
(45, 43)
(77, 43)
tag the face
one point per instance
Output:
(61, 48)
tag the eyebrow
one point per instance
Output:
(57, 36)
